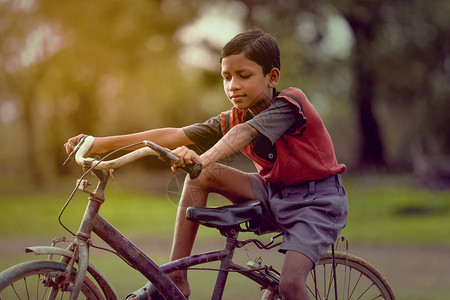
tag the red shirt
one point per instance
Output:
(303, 155)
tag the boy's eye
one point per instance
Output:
(245, 76)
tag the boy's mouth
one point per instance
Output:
(236, 97)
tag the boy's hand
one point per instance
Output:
(186, 156)
(72, 142)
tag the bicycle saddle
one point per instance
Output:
(225, 216)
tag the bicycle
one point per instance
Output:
(338, 275)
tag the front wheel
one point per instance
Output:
(355, 279)
(42, 280)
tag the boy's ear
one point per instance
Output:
(274, 77)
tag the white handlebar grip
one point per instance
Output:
(108, 164)
(84, 148)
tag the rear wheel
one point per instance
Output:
(42, 280)
(355, 277)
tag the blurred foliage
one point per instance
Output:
(112, 67)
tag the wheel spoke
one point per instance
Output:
(37, 280)
(45, 292)
(365, 291)
(316, 293)
(354, 287)
(26, 288)
(349, 283)
(330, 283)
(355, 279)
(15, 292)
(38, 283)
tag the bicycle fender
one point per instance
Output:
(83, 262)
(101, 279)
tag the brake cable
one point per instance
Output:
(79, 181)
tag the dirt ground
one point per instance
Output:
(414, 272)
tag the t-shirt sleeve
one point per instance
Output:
(280, 118)
(205, 134)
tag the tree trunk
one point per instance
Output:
(28, 99)
(364, 26)
(371, 150)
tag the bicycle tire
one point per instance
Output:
(356, 279)
(26, 281)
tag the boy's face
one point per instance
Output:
(245, 84)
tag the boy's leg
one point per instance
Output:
(231, 183)
(294, 273)
(228, 182)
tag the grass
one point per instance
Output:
(393, 210)
(35, 215)
(381, 210)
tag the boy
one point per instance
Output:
(298, 175)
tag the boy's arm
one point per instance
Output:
(237, 138)
(166, 137)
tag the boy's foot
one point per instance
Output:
(149, 292)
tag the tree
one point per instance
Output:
(67, 64)
(282, 19)
(111, 67)
(398, 67)
(365, 21)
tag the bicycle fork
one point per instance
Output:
(80, 247)
(80, 254)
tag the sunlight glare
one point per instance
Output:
(217, 24)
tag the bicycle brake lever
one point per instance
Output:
(165, 155)
(69, 159)
(71, 156)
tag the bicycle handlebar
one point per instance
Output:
(151, 149)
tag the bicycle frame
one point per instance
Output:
(62, 275)
(93, 222)
(136, 258)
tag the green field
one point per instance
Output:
(388, 210)
(381, 210)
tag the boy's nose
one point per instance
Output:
(234, 85)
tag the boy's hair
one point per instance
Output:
(257, 46)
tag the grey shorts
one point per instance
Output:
(313, 213)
